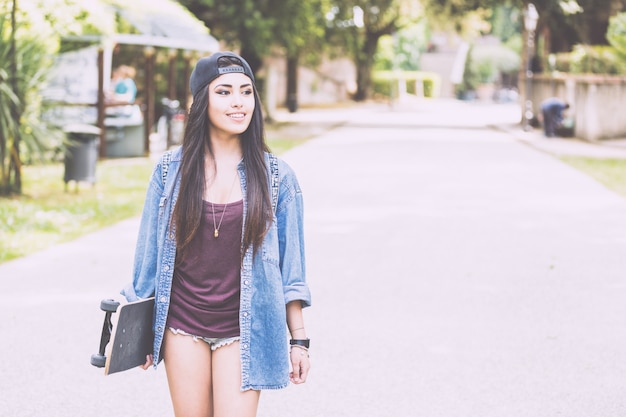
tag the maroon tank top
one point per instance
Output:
(206, 284)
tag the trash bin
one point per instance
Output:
(81, 154)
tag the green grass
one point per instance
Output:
(47, 214)
(610, 172)
(282, 145)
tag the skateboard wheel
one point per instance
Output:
(98, 360)
(109, 305)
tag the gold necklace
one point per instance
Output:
(216, 228)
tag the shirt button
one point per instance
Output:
(245, 314)
(246, 282)
(166, 268)
(163, 299)
(172, 236)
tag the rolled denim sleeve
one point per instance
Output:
(146, 249)
(290, 222)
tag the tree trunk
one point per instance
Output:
(256, 63)
(365, 64)
(292, 83)
(253, 59)
(596, 24)
(15, 165)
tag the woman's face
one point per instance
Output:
(231, 104)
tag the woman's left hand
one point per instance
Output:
(148, 364)
(300, 365)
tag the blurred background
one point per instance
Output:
(58, 59)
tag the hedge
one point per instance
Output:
(385, 83)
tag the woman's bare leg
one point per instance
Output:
(228, 399)
(188, 368)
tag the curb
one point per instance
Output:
(605, 149)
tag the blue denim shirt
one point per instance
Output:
(270, 280)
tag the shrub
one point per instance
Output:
(385, 83)
(484, 64)
(489, 61)
(585, 59)
(616, 34)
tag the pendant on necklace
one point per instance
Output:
(216, 233)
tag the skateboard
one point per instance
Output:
(125, 342)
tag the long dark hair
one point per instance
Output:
(188, 210)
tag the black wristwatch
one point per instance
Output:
(300, 342)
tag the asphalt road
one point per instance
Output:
(455, 272)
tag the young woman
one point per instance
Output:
(221, 248)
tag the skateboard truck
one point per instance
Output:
(128, 340)
(109, 306)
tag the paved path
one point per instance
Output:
(455, 272)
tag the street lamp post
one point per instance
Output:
(530, 24)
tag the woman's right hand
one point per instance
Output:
(149, 362)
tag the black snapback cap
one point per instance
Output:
(207, 69)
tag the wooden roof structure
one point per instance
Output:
(155, 24)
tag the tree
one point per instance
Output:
(402, 50)
(351, 26)
(592, 21)
(299, 31)
(23, 64)
(255, 27)
(246, 25)
(616, 34)
(30, 33)
(9, 117)
(358, 25)
(562, 23)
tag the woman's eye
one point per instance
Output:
(247, 92)
(222, 92)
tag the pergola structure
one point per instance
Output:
(161, 25)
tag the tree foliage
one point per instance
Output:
(255, 26)
(616, 34)
(239, 24)
(306, 28)
(30, 33)
(564, 23)
(403, 49)
(23, 62)
(357, 26)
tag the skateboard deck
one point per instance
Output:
(130, 337)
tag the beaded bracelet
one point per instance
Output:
(300, 347)
(304, 350)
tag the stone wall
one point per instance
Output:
(596, 102)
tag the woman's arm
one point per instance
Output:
(290, 224)
(289, 217)
(299, 354)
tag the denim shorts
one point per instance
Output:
(213, 342)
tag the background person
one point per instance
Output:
(552, 111)
(222, 232)
(123, 87)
